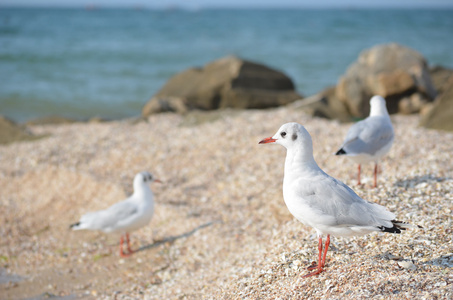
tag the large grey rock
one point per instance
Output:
(229, 82)
(391, 71)
(440, 115)
(439, 76)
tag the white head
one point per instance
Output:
(378, 106)
(142, 179)
(293, 136)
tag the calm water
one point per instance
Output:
(108, 63)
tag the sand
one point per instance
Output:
(221, 229)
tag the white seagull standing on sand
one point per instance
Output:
(125, 216)
(321, 201)
(369, 139)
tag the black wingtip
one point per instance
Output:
(340, 152)
(74, 225)
(397, 227)
(393, 229)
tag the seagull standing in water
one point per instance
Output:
(369, 139)
(321, 201)
(125, 216)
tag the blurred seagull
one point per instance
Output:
(369, 139)
(321, 201)
(125, 216)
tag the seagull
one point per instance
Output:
(125, 216)
(321, 201)
(369, 139)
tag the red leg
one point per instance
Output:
(375, 175)
(122, 254)
(319, 266)
(358, 176)
(128, 244)
(326, 247)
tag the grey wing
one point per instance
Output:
(110, 218)
(344, 207)
(368, 136)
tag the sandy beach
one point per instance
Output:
(221, 229)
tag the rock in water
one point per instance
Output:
(391, 71)
(229, 82)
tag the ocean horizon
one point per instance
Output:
(80, 63)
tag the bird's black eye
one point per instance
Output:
(145, 176)
(283, 134)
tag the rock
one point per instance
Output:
(394, 257)
(407, 265)
(439, 77)
(165, 104)
(11, 132)
(412, 104)
(440, 114)
(391, 83)
(389, 70)
(229, 82)
(324, 105)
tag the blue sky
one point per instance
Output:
(195, 4)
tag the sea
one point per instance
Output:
(81, 63)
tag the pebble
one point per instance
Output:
(407, 265)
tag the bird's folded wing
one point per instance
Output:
(111, 217)
(338, 205)
(368, 136)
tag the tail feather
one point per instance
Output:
(398, 226)
(340, 152)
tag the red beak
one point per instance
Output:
(157, 180)
(267, 140)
